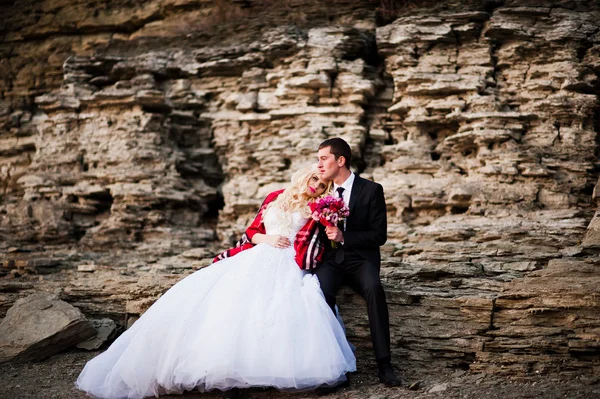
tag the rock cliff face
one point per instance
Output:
(140, 137)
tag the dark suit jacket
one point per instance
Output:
(366, 227)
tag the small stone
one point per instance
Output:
(439, 388)
(131, 320)
(459, 373)
(105, 329)
(87, 268)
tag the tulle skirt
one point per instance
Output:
(252, 320)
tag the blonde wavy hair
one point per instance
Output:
(294, 198)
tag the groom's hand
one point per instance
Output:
(334, 233)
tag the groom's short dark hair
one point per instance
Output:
(338, 147)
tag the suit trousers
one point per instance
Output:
(363, 277)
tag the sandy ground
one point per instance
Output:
(54, 379)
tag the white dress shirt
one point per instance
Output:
(347, 185)
(347, 189)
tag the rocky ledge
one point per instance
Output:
(133, 148)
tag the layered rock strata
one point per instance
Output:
(489, 181)
(480, 119)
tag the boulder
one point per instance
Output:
(40, 325)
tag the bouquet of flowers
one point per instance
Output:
(329, 211)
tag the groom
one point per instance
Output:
(357, 260)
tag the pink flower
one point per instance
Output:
(329, 210)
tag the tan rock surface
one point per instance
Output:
(136, 140)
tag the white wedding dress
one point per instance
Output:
(254, 319)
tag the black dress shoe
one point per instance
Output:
(387, 376)
(329, 389)
(233, 393)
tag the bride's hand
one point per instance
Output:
(278, 241)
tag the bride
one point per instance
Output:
(253, 319)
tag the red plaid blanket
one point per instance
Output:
(308, 244)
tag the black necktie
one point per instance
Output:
(340, 191)
(339, 253)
